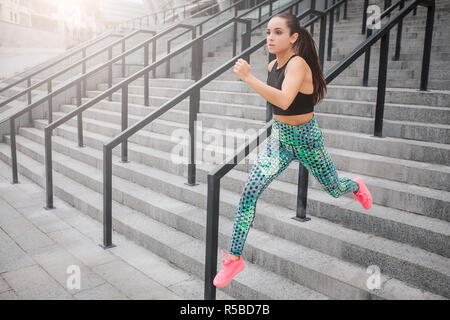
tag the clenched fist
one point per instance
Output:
(242, 69)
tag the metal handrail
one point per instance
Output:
(77, 82)
(84, 59)
(192, 91)
(119, 24)
(200, 25)
(66, 55)
(214, 176)
(196, 45)
(124, 24)
(75, 64)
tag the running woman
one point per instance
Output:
(295, 84)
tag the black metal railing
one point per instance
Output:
(65, 56)
(82, 80)
(193, 92)
(28, 91)
(144, 21)
(214, 176)
(234, 7)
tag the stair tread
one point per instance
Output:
(429, 223)
(349, 153)
(317, 261)
(175, 239)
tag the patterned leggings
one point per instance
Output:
(303, 143)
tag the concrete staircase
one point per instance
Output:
(405, 234)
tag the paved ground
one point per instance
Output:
(16, 60)
(43, 251)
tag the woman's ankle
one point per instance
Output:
(235, 258)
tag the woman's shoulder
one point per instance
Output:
(298, 64)
(270, 65)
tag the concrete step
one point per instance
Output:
(393, 95)
(177, 247)
(385, 192)
(399, 112)
(427, 175)
(351, 286)
(430, 132)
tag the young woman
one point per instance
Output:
(294, 85)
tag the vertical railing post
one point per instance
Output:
(302, 194)
(246, 40)
(387, 4)
(30, 113)
(367, 61)
(50, 101)
(398, 41)
(323, 27)
(48, 169)
(364, 16)
(123, 59)
(107, 198)
(212, 232)
(194, 101)
(84, 71)
(234, 37)
(330, 35)
(168, 60)
(146, 77)
(381, 90)
(345, 9)
(154, 56)
(427, 48)
(124, 152)
(79, 117)
(313, 6)
(338, 12)
(12, 130)
(110, 71)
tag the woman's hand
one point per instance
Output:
(242, 69)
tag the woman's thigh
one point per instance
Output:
(269, 164)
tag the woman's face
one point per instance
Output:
(278, 38)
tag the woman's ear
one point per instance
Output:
(295, 38)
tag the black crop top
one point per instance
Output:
(303, 103)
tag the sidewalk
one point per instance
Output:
(38, 248)
(17, 59)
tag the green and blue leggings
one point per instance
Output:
(303, 143)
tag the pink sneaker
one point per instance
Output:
(229, 270)
(363, 194)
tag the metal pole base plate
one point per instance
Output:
(301, 219)
(107, 247)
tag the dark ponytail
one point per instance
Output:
(305, 47)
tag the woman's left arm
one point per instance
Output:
(283, 98)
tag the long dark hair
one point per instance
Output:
(305, 47)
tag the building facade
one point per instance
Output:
(16, 11)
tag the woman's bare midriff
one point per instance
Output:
(294, 120)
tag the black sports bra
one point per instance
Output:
(303, 103)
